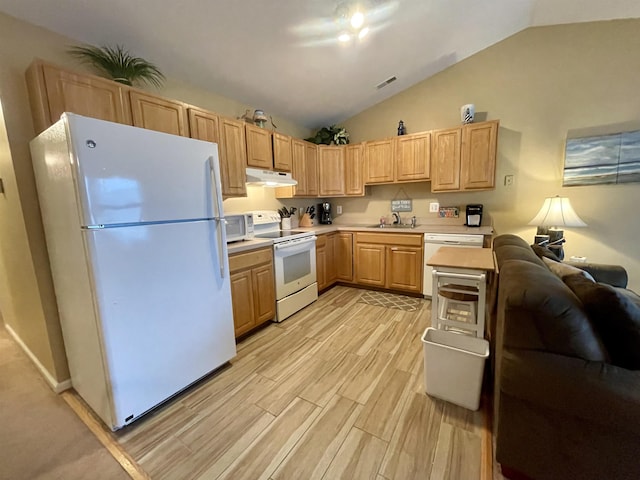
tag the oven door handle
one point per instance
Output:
(298, 245)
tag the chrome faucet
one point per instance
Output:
(413, 222)
(396, 218)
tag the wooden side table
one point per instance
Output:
(460, 271)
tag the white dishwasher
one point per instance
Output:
(433, 241)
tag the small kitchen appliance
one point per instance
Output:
(474, 215)
(325, 213)
(239, 227)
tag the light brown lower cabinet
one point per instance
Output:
(253, 292)
(334, 258)
(387, 260)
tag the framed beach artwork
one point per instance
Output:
(602, 159)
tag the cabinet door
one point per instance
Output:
(160, 114)
(205, 126)
(353, 172)
(242, 302)
(311, 168)
(85, 95)
(478, 157)
(404, 268)
(264, 293)
(233, 170)
(378, 157)
(445, 160)
(413, 154)
(331, 258)
(282, 157)
(321, 262)
(299, 167)
(344, 256)
(259, 150)
(331, 170)
(370, 264)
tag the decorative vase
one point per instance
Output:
(467, 113)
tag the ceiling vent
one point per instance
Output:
(386, 82)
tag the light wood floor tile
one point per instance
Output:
(412, 447)
(365, 376)
(457, 454)
(359, 457)
(382, 411)
(262, 457)
(335, 373)
(409, 355)
(311, 457)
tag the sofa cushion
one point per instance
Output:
(515, 252)
(616, 316)
(563, 270)
(540, 312)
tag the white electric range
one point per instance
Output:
(294, 253)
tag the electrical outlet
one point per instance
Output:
(508, 180)
(339, 210)
(434, 207)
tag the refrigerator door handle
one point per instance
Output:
(218, 214)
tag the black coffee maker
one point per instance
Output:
(474, 215)
(324, 209)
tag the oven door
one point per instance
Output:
(295, 265)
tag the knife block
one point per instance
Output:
(305, 221)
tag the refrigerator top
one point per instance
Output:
(127, 175)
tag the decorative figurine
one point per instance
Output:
(401, 129)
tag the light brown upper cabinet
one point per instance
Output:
(354, 166)
(160, 114)
(378, 158)
(400, 159)
(331, 170)
(445, 160)
(259, 148)
(311, 168)
(282, 156)
(412, 159)
(478, 161)
(53, 91)
(233, 146)
(207, 126)
(464, 158)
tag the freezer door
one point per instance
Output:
(165, 311)
(126, 174)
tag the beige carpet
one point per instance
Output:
(40, 436)
(391, 300)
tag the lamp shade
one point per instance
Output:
(557, 212)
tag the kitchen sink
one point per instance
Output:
(390, 225)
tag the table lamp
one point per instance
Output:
(556, 213)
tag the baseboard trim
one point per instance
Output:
(55, 385)
(104, 436)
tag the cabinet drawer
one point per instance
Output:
(241, 261)
(409, 239)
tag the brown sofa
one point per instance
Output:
(567, 369)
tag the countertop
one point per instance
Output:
(236, 247)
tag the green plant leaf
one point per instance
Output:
(119, 64)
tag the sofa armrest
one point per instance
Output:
(614, 275)
(596, 392)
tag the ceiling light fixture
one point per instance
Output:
(351, 18)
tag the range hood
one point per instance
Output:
(269, 178)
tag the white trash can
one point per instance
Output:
(454, 366)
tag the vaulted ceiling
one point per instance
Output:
(284, 56)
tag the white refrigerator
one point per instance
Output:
(135, 233)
